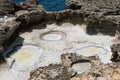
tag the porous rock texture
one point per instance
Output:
(101, 15)
(64, 70)
(6, 30)
(9, 28)
(6, 7)
(115, 48)
(34, 13)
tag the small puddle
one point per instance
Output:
(53, 36)
(25, 56)
(81, 67)
(91, 51)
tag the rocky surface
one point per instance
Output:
(100, 16)
(63, 71)
(9, 24)
(94, 5)
(115, 48)
(30, 14)
(6, 7)
(6, 30)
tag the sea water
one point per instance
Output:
(49, 5)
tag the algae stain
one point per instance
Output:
(24, 55)
(93, 51)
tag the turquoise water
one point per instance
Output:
(50, 5)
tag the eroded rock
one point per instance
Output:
(32, 14)
(6, 30)
(64, 70)
(101, 16)
(6, 7)
(115, 52)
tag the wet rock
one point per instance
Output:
(32, 1)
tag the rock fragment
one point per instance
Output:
(115, 48)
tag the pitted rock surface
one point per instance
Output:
(33, 13)
(115, 48)
(100, 15)
(6, 30)
(6, 7)
(63, 71)
(94, 5)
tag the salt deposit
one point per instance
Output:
(81, 67)
(25, 57)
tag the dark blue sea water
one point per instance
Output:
(50, 5)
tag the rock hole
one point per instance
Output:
(25, 56)
(52, 36)
(90, 51)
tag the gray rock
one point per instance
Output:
(6, 7)
(115, 48)
(35, 14)
(100, 15)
